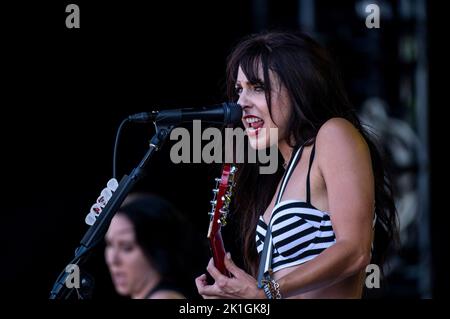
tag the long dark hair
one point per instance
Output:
(316, 94)
(164, 235)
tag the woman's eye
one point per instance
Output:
(127, 247)
(238, 90)
(259, 88)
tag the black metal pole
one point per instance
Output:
(98, 230)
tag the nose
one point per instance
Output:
(244, 100)
(112, 256)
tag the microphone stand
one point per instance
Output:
(97, 231)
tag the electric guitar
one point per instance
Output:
(218, 215)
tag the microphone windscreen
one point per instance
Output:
(234, 114)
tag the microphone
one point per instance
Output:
(224, 114)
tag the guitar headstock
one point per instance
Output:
(221, 199)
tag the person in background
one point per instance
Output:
(148, 244)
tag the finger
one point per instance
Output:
(213, 292)
(205, 290)
(214, 272)
(201, 281)
(231, 266)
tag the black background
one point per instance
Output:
(68, 90)
(65, 91)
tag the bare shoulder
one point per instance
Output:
(339, 141)
(339, 134)
(338, 130)
(167, 294)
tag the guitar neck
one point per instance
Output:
(220, 207)
(218, 252)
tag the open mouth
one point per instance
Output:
(119, 278)
(254, 124)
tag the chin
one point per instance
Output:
(262, 138)
(258, 143)
(123, 291)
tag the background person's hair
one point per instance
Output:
(164, 235)
(316, 94)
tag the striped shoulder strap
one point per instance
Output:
(265, 262)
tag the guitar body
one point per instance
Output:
(219, 211)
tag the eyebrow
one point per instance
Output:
(256, 82)
(121, 232)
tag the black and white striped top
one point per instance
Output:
(300, 231)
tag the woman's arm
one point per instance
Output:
(345, 165)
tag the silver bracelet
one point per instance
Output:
(272, 289)
(275, 291)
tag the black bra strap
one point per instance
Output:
(296, 156)
(308, 184)
(164, 285)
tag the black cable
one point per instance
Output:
(116, 146)
(78, 255)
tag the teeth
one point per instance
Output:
(252, 120)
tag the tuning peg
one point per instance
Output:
(213, 202)
(215, 190)
(218, 179)
(223, 221)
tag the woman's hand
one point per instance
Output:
(241, 285)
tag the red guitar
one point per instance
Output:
(219, 211)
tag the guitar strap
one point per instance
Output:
(265, 261)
